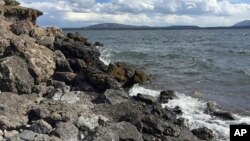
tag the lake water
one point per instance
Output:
(200, 65)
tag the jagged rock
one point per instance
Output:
(213, 110)
(118, 131)
(153, 125)
(21, 28)
(13, 109)
(98, 79)
(115, 96)
(127, 74)
(62, 65)
(4, 43)
(145, 98)
(134, 118)
(77, 37)
(40, 59)
(165, 96)
(77, 64)
(41, 127)
(14, 76)
(67, 132)
(203, 133)
(20, 14)
(89, 54)
(67, 77)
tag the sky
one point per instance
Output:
(80, 13)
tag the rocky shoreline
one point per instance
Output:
(54, 87)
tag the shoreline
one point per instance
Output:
(55, 87)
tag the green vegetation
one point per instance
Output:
(11, 2)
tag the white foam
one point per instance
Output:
(193, 113)
(105, 55)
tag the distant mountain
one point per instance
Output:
(242, 23)
(114, 26)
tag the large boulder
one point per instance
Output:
(127, 74)
(212, 109)
(203, 133)
(40, 60)
(78, 50)
(165, 96)
(98, 79)
(14, 75)
(62, 65)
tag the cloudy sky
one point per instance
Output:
(79, 13)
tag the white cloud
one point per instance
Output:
(147, 12)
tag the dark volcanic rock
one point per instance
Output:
(89, 54)
(62, 65)
(145, 98)
(14, 76)
(203, 133)
(115, 96)
(98, 79)
(213, 110)
(185, 135)
(77, 64)
(127, 74)
(67, 77)
(167, 95)
(98, 44)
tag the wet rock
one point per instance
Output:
(115, 96)
(76, 37)
(127, 74)
(13, 109)
(203, 133)
(67, 132)
(145, 98)
(77, 64)
(67, 77)
(213, 110)
(14, 76)
(98, 44)
(98, 79)
(118, 131)
(62, 65)
(177, 110)
(40, 59)
(165, 96)
(41, 127)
